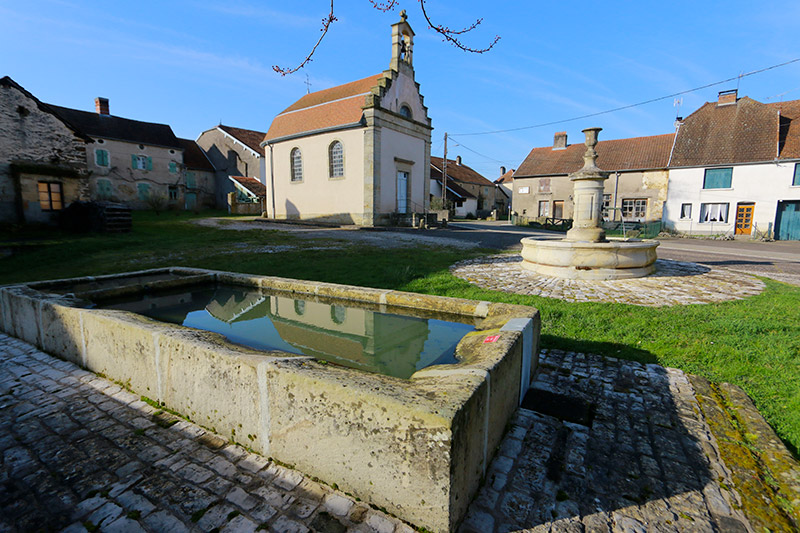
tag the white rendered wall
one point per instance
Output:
(397, 149)
(763, 184)
(317, 195)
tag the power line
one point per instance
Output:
(739, 77)
(477, 153)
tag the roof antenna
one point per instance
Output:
(308, 84)
(677, 103)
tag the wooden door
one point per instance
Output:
(787, 223)
(744, 219)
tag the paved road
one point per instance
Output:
(779, 259)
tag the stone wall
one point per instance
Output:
(30, 134)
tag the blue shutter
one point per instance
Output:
(133, 160)
(796, 180)
(149, 163)
(173, 168)
(144, 191)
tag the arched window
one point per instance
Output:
(336, 160)
(405, 111)
(297, 164)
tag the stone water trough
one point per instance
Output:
(418, 447)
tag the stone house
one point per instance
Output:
(248, 197)
(735, 170)
(358, 153)
(234, 152)
(42, 158)
(199, 178)
(134, 162)
(635, 191)
(468, 179)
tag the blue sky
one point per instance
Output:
(195, 63)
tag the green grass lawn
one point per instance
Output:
(754, 343)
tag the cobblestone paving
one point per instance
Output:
(613, 446)
(77, 452)
(673, 283)
(637, 456)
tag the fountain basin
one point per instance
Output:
(606, 260)
(419, 447)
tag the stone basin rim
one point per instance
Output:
(609, 244)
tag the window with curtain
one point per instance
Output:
(336, 160)
(544, 208)
(686, 211)
(713, 212)
(718, 178)
(297, 164)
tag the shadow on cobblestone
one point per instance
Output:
(79, 453)
(607, 445)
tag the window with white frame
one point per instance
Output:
(606, 204)
(796, 179)
(544, 208)
(713, 212)
(524, 190)
(634, 207)
(297, 164)
(686, 211)
(336, 160)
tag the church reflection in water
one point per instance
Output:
(339, 332)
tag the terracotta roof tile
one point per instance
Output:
(194, 157)
(251, 138)
(508, 177)
(251, 184)
(744, 132)
(637, 153)
(461, 173)
(337, 106)
(789, 129)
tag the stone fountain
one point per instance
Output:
(586, 253)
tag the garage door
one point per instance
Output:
(787, 222)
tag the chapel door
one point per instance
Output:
(402, 192)
(744, 219)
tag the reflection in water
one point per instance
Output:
(389, 344)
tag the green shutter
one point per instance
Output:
(173, 168)
(796, 180)
(190, 181)
(149, 163)
(133, 161)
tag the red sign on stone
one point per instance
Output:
(491, 338)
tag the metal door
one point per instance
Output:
(787, 222)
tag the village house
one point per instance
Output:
(635, 191)
(459, 199)
(51, 156)
(504, 189)
(358, 153)
(42, 158)
(465, 178)
(234, 152)
(735, 170)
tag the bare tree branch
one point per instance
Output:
(450, 35)
(383, 6)
(326, 24)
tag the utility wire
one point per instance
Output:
(478, 153)
(740, 76)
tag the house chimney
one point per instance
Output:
(560, 140)
(727, 97)
(458, 160)
(502, 171)
(101, 105)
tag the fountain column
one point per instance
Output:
(587, 195)
(585, 253)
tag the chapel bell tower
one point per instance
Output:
(402, 44)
